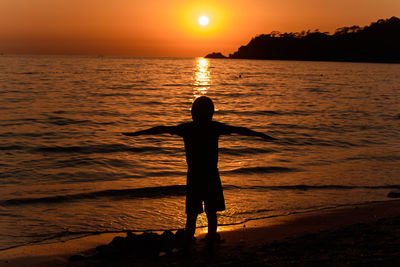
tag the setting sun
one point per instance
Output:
(203, 20)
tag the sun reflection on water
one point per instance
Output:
(202, 77)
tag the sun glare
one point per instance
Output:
(203, 20)
(206, 20)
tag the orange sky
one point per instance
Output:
(169, 27)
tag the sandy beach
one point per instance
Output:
(353, 235)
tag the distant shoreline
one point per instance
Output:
(376, 43)
(311, 60)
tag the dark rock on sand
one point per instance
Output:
(118, 241)
(101, 249)
(168, 242)
(145, 245)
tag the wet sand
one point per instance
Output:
(354, 235)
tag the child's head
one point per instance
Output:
(202, 109)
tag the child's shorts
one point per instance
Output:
(204, 187)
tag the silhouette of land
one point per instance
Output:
(215, 55)
(378, 42)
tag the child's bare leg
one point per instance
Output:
(190, 228)
(212, 224)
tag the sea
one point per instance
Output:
(67, 171)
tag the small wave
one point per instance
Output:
(59, 111)
(242, 151)
(10, 134)
(377, 158)
(89, 175)
(164, 173)
(319, 142)
(255, 112)
(320, 187)
(173, 190)
(315, 142)
(249, 170)
(298, 127)
(258, 85)
(11, 215)
(149, 103)
(112, 94)
(56, 120)
(147, 192)
(269, 113)
(316, 90)
(101, 112)
(126, 86)
(75, 162)
(30, 73)
(30, 119)
(227, 83)
(174, 85)
(11, 147)
(104, 70)
(107, 148)
(251, 212)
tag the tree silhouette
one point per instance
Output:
(378, 42)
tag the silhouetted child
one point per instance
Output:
(201, 146)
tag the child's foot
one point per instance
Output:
(211, 244)
(213, 238)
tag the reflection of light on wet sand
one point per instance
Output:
(202, 77)
(243, 232)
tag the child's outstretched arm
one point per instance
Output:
(248, 132)
(152, 131)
